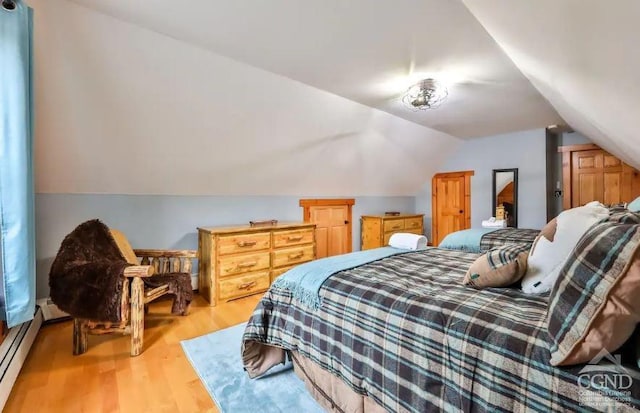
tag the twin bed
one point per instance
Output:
(403, 334)
(483, 239)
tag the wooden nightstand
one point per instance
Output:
(377, 229)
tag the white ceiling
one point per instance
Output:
(582, 55)
(125, 110)
(286, 97)
(366, 51)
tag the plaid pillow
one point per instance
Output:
(594, 305)
(499, 267)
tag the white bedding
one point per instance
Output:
(548, 257)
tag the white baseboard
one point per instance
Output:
(13, 352)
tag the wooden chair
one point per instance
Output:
(135, 297)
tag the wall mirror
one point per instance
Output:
(505, 194)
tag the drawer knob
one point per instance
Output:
(296, 255)
(294, 238)
(246, 243)
(246, 286)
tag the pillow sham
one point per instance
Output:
(499, 267)
(594, 304)
(548, 255)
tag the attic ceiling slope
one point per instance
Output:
(361, 50)
(125, 110)
(582, 56)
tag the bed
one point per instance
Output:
(403, 334)
(483, 239)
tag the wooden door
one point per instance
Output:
(587, 177)
(333, 224)
(451, 203)
(593, 174)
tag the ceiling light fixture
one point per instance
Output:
(8, 5)
(426, 94)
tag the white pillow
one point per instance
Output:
(548, 257)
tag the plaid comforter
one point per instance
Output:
(598, 263)
(508, 236)
(405, 332)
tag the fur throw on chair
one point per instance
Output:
(86, 277)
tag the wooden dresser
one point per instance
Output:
(242, 260)
(377, 229)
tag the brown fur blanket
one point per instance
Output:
(86, 276)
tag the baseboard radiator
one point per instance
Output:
(13, 352)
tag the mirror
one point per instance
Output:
(505, 194)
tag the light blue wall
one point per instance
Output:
(573, 138)
(523, 150)
(170, 222)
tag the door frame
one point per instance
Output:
(306, 204)
(467, 199)
(567, 153)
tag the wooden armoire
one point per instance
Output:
(589, 173)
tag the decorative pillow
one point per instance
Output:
(547, 256)
(634, 206)
(499, 267)
(594, 305)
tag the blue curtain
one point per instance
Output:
(17, 237)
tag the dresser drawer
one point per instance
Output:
(410, 231)
(237, 261)
(413, 223)
(393, 225)
(236, 264)
(291, 256)
(231, 244)
(290, 238)
(243, 285)
(278, 272)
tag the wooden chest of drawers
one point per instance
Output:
(377, 229)
(238, 261)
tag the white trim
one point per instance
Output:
(13, 352)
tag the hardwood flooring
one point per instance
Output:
(107, 379)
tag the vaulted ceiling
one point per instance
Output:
(295, 97)
(366, 52)
(581, 55)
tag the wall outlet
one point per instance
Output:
(557, 193)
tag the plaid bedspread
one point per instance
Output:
(405, 332)
(598, 262)
(508, 236)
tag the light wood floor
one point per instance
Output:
(107, 379)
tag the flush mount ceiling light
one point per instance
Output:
(426, 94)
(8, 5)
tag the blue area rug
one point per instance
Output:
(216, 359)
